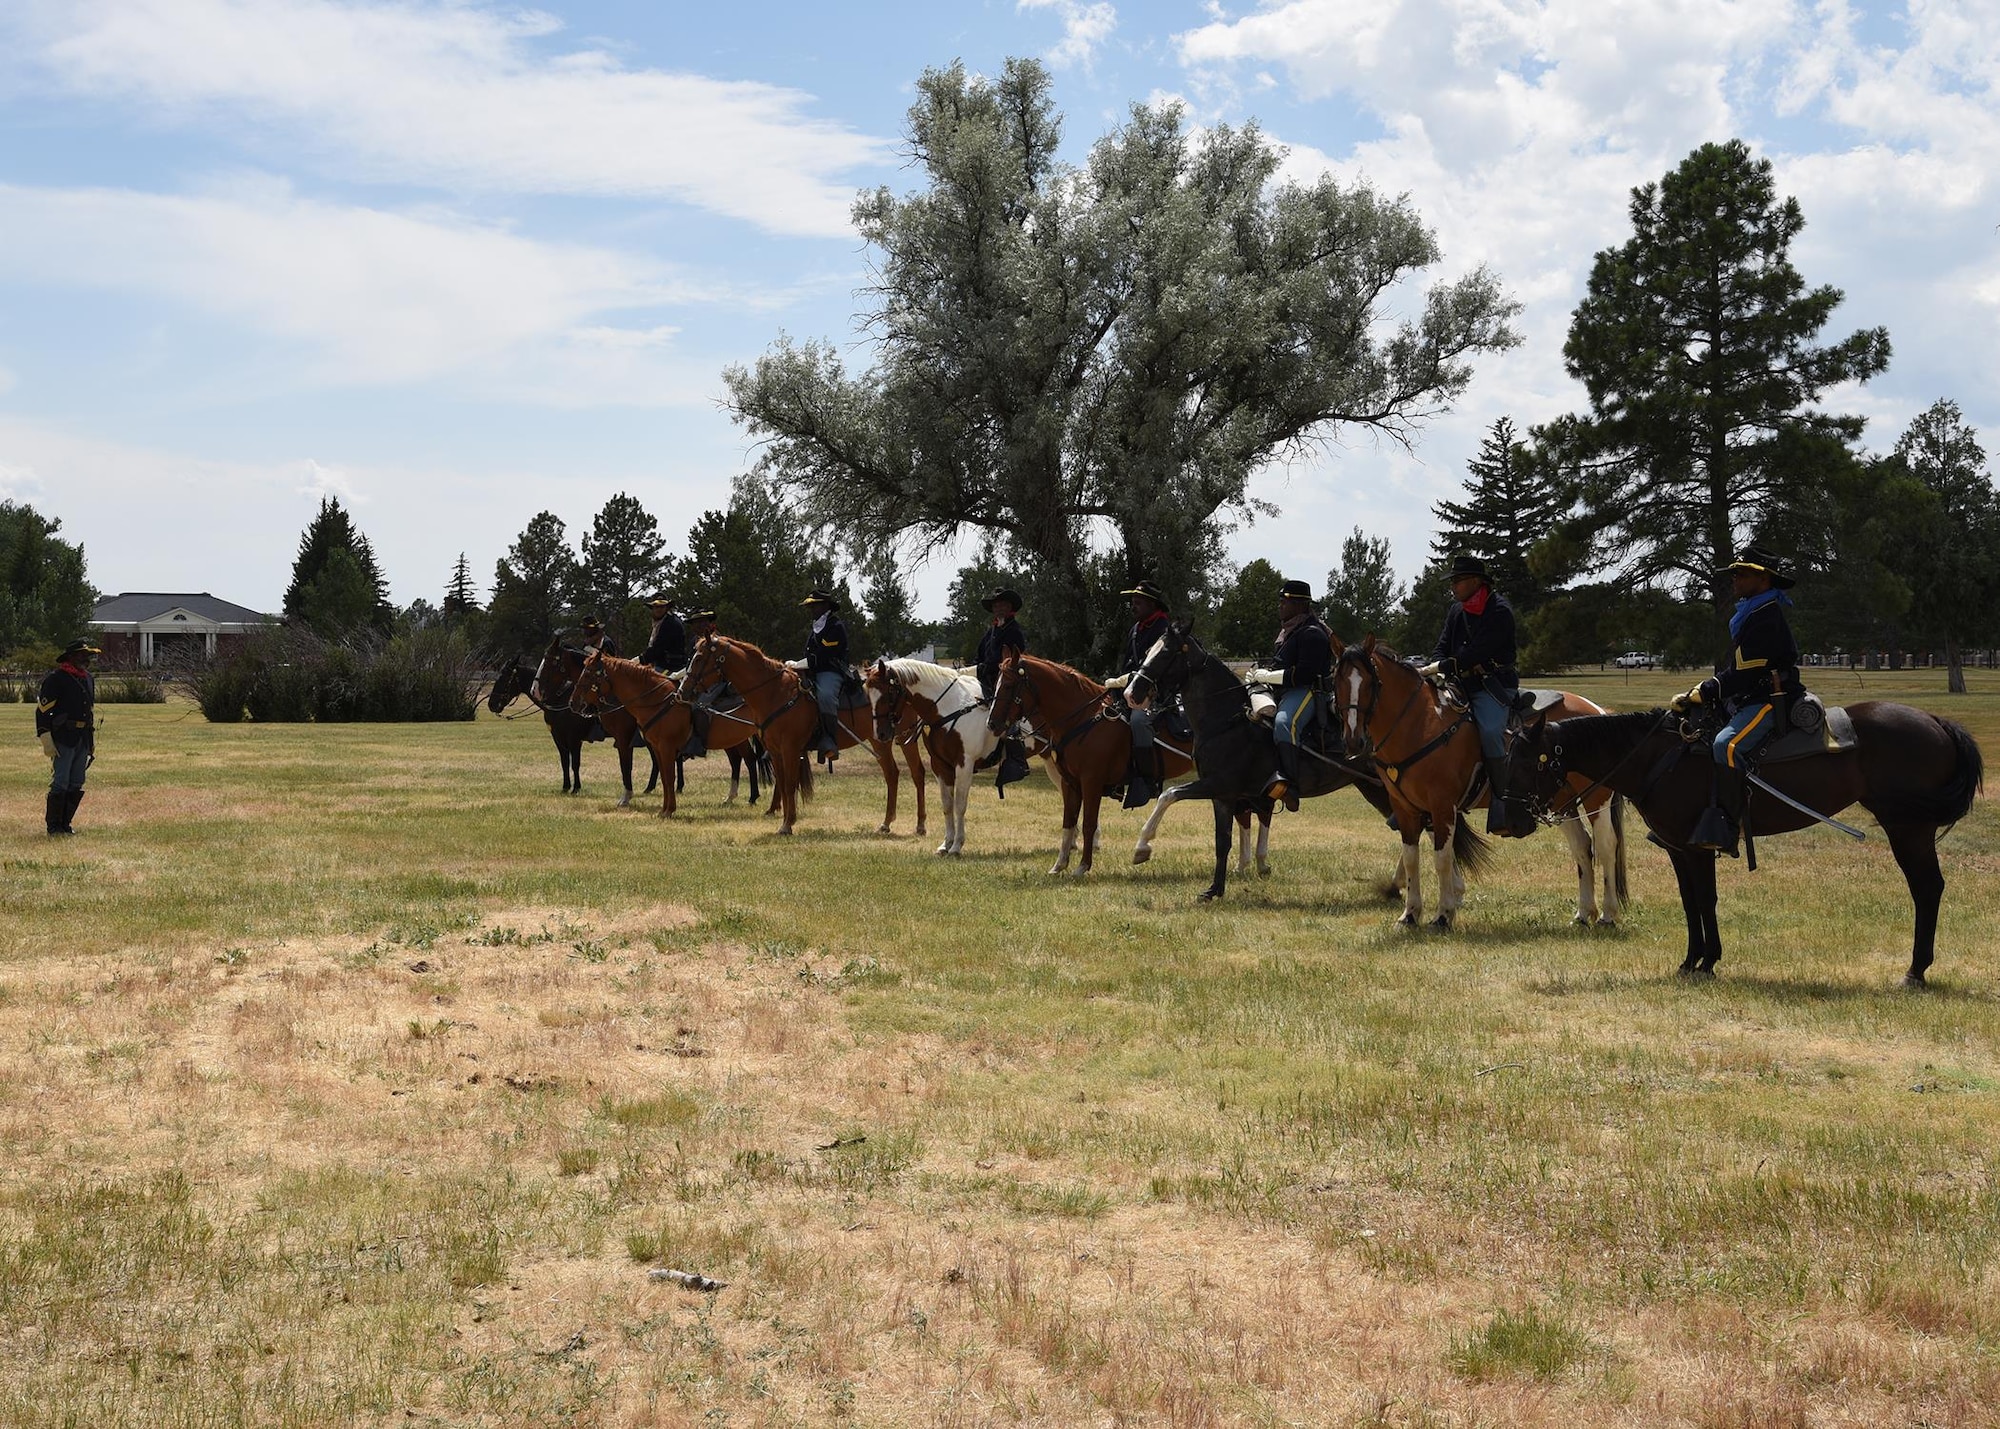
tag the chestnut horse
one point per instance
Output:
(1426, 748)
(942, 703)
(786, 714)
(1089, 748)
(652, 702)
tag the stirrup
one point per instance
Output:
(1713, 833)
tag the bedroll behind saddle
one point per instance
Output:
(1814, 728)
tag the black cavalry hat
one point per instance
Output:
(80, 647)
(1006, 593)
(1463, 566)
(694, 616)
(820, 597)
(1151, 591)
(662, 601)
(1755, 558)
(1295, 590)
(591, 622)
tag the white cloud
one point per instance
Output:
(1087, 24)
(368, 296)
(1518, 128)
(460, 95)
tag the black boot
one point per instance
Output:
(69, 809)
(828, 740)
(1505, 816)
(1142, 780)
(1286, 785)
(58, 806)
(1013, 763)
(1716, 830)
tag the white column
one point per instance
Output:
(211, 644)
(145, 647)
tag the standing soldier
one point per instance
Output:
(1002, 635)
(1301, 659)
(66, 724)
(1754, 689)
(826, 663)
(1475, 653)
(667, 649)
(1149, 623)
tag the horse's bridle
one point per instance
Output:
(1550, 765)
(1365, 658)
(889, 708)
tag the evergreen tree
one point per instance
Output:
(1512, 501)
(1113, 348)
(1697, 346)
(968, 618)
(892, 611)
(624, 563)
(1954, 571)
(752, 565)
(45, 598)
(461, 597)
(534, 587)
(1246, 623)
(337, 588)
(1362, 592)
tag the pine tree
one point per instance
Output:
(461, 597)
(752, 565)
(1953, 575)
(1246, 624)
(337, 588)
(1362, 592)
(534, 587)
(1511, 502)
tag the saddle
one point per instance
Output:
(1814, 728)
(853, 694)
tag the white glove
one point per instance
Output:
(49, 745)
(1430, 671)
(1264, 677)
(1117, 682)
(798, 665)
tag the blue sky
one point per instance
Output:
(461, 262)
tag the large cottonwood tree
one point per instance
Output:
(1075, 358)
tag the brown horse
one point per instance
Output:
(651, 704)
(1089, 748)
(1426, 748)
(1916, 773)
(782, 704)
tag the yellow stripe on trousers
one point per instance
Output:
(1757, 720)
(1299, 718)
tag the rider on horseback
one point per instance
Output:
(1149, 623)
(1002, 635)
(1754, 690)
(1476, 654)
(826, 661)
(1302, 658)
(666, 648)
(698, 623)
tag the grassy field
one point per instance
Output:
(353, 1074)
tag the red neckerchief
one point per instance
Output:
(1477, 605)
(70, 669)
(1000, 620)
(1150, 621)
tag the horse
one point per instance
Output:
(548, 685)
(1234, 753)
(1089, 748)
(1915, 772)
(1427, 750)
(786, 712)
(939, 702)
(664, 720)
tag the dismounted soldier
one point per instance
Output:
(66, 724)
(1301, 659)
(825, 663)
(1476, 654)
(667, 647)
(1753, 688)
(1002, 635)
(1149, 623)
(596, 637)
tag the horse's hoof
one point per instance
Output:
(1408, 920)
(1688, 974)
(921, 831)
(881, 828)
(1914, 982)
(1441, 923)
(1607, 923)
(942, 850)
(1263, 870)
(1581, 920)
(626, 802)
(1208, 895)
(1142, 855)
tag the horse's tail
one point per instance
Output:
(1618, 857)
(1951, 800)
(805, 776)
(1471, 848)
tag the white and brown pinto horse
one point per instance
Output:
(1425, 746)
(947, 705)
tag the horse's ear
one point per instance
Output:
(1339, 645)
(1536, 723)
(1368, 643)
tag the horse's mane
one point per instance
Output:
(905, 669)
(1592, 734)
(1058, 667)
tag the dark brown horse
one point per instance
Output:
(1089, 748)
(786, 714)
(1916, 773)
(549, 686)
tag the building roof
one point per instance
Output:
(132, 606)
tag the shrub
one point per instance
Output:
(292, 676)
(131, 689)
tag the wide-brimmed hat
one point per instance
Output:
(1295, 590)
(80, 647)
(820, 597)
(692, 616)
(1755, 558)
(1012, 597)
(1463, 566)
(591, 622)
(1149, 590)
(661, 601)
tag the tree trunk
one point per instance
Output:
(1955, 666)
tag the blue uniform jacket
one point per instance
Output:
(1764, 663)
(1305, 655)
(1478, 650)
(826, 647)
(997, 640)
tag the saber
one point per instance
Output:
(1782, 797)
